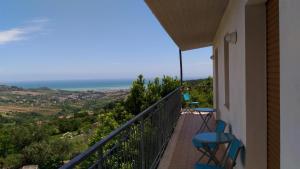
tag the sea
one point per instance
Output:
(75, 85)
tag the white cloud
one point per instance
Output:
(21, 33)
(11, 35)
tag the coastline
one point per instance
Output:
(99, 89)
(75, 85)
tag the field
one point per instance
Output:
(49, 102)
(30, 118)
(9, 109)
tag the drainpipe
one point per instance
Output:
(180, 58)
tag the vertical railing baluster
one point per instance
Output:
(142, 144)
(100, 157)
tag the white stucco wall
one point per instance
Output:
(256, 86)
(235, 116)
(289, 83)
(246, 114)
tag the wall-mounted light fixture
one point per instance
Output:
(231, 37)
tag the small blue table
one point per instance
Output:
(205, 119)
(213, 138)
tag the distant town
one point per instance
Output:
(16, 99)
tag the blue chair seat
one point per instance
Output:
(198, 145)
(220, 127)
(205, 166)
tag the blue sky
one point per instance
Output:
(95, 39)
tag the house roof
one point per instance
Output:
(190, 23)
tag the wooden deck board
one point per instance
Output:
(180, 152)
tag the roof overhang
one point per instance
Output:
(190, 23)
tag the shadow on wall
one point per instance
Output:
(229, 128)
(243, 156)
(243, 151)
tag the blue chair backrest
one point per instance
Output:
(220, 126)
(234, 150)
(186, 96)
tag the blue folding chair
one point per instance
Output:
(229, 161)
(220, 128)
(187, 99)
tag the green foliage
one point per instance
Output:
(153, 92)
(13, 161)
(6, 145)
(69, 109)
(136, 98)
(201, 91)
(47, 141)
(20, 118)
(141, 97)
(96, 105)
(168, 85)
(107, 123)
(25, 135)
(48, 155)
(68, 125)
(120, 113)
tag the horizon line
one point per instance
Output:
(93, 79)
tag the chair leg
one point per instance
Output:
(204, 153)
(205, 121)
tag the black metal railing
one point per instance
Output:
(139, 143)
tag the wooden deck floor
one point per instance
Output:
(180, 153)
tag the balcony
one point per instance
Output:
(180, 153)
(159, 137)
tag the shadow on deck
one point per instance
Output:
(180, 152)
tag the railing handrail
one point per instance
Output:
(79, 158)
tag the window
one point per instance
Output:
(226, 73)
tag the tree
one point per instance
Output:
(11, 161)
(135, 100)
(47, 154)
(6, 145)
(168, 85)
(120, 113)
(140, 98)
(153, 92)
(24, 135)
(68, 125)
(107, 124)
(201, 91)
